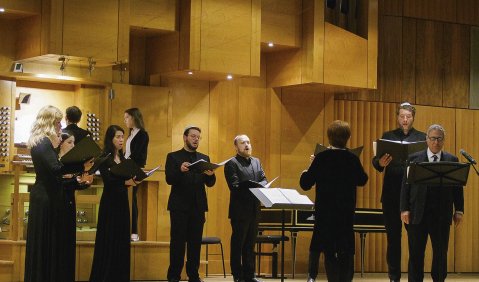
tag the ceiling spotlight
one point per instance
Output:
(2, 10)
(190, 72)
(229, 77)
(270, 44)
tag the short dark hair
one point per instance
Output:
(137, 117)
(339, 133)
(188, 128)
(73, 114)
(408, 107)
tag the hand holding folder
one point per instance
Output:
(128, 169)
(83, 151)
(202, 165)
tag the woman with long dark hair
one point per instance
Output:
(136, 149)
(111, 260)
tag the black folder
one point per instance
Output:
(83, 151)
(320, 148)
(202, 165)
(97, 162)
(397, 149)
(128, 169)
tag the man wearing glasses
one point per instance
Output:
(428, 210)
(392, 186)
(187, 205)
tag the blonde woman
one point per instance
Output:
(44, 258)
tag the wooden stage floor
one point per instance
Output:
(368, 277)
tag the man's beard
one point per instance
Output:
(190, 146)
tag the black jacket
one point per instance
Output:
(78, 132)
(395, 170)
(187, 188)
(415, 198)
(139, 147)
(243, 204)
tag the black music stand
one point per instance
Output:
(438, 173)
(289, 201)
(441, 174)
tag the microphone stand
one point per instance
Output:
(472, 164)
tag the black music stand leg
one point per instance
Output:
(294, 236)
(362, 236)
(282, 244)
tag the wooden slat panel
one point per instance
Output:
(440, 10)
(390, 7)
(467, 12)
(429, 63)
(408, 61)
(474, 82)
(390, 55)
(456, 62)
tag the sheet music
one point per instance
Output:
(152, 171)
(271, 182)
(295, 197)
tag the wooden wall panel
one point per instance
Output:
(313, 42)
(372, 32)
(226, 37)
(467, 232)
(137, 60)
(467, 12)
(391, 7)
(345, 58)
(429, 63)
(456, 66)
(440, 10)
(7, 48)
(390, 57)
(28, 40)
(153, 14)
(97, 36)
(474, 82)
(284, 68)
(281, 22)
(409, 62)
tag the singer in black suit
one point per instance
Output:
(336, 173)
(244, 208)
(428, 210)
(392, 186)
(72, 117)
(187, 205)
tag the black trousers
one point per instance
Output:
(134, 211)
(186, 232)
(438, 231)
(393, 224)
(339, 267)
(243, 238)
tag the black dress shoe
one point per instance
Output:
(237, 279)
(254, 279)
(310, 279)
(394, 280)
(196, 280)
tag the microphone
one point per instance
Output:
(467, 156)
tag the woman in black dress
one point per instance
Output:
(71, 182)
(337, 173)
(45, 234)
(111, 260)
(136, 149)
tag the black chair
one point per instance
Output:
(213, 241)
(269, 239)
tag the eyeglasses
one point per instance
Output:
(195, 137)
(438, 139)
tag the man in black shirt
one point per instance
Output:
(187, 205)
(72, 117)
(392, 186)
(241, 173)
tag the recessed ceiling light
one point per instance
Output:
(2, 10)
(270, 44)
(190, 72)
(229, 77)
